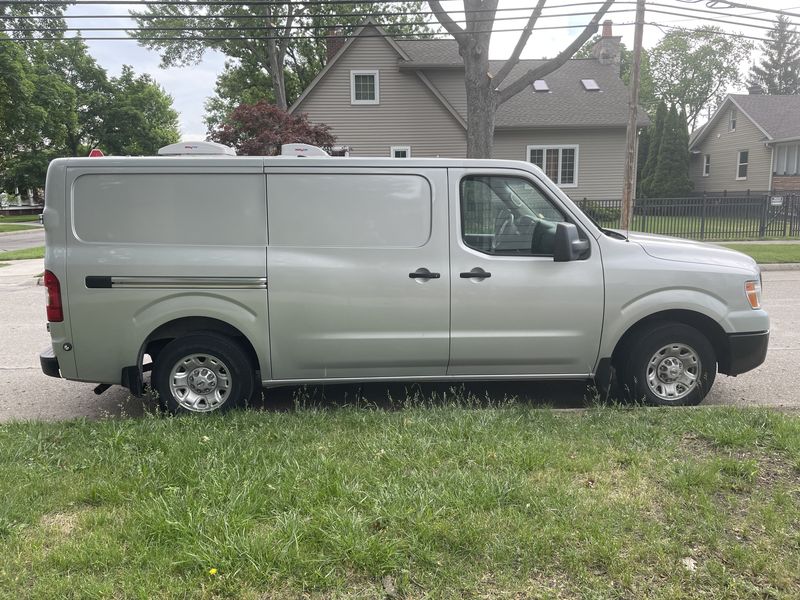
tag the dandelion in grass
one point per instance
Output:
(212, 571)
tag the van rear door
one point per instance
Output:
(358, 272)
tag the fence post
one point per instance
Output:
(703, 217)
(643, 206)
(762, 226)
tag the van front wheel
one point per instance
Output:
(202, 373)
(669, 364)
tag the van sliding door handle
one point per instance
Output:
(423, 273)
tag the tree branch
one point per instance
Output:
(521, 42)
(551, 65)
(450, 26)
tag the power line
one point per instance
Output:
(728, 4)
(283, 28)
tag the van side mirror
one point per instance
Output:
(568, 245)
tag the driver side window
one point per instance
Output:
(507, 216)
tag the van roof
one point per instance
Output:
(235, 162)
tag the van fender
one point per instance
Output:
(246, 313)
(620, 320)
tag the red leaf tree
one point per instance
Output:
(260, 130)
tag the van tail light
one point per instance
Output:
(753, 291)
(55, 313)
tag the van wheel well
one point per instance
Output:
(705, 325)
(167, 332)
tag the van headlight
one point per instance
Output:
(752, 290)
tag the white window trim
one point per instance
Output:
(733, 118)
(373, 72)
(560, 147)
(706, 165)
(739, 163)
(392, 150)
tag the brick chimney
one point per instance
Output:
(606, 50)
(333, 44)
(755, 90)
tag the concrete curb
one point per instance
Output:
(780, 267)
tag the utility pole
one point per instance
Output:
(633, 108)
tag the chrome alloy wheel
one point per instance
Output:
(200, 382)
(673, 372)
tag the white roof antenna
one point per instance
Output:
(302, 150)
(196, 149)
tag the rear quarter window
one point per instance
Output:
(163, 208)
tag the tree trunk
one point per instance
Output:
(481, 99)
(276, 73)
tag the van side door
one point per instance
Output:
(514, 310)
(358, 272)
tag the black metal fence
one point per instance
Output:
(708, 217)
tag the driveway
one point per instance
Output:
(18, 240)
(25, 393)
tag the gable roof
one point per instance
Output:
(777, 117)
(567, 104)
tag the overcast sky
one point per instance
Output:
(190, 86)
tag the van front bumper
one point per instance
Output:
(745, 352)
(49, 362)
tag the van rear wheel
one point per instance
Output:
(202, 373)
(668, 364)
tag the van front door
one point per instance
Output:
(357, 272)
(515, 310)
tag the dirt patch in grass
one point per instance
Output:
(62, 524)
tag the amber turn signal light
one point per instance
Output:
(753, 291)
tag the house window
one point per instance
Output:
(364, 87)
(787, 160)
(559, 163)
(734, 114)
(706, 165)
(400, 152)
(741, 169)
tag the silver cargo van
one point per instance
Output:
(237, 273)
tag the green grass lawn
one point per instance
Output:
(37, 252)
(19, 218)
(431, 501)
(770, 253)
(9, 227)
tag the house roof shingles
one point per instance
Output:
(567, 104)
(779, 116)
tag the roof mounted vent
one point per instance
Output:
(540, 85)
(302, 150)
(590, 85)
(196, 149)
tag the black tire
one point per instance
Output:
(640, 363)
(222, 376)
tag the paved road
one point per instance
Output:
(25, 393)
(17, 240)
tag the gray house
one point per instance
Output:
(394, 97)
(752, 142)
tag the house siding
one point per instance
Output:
(601, 156)
(450, 82)
(408, 114)
(723, 146)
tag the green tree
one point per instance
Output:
(693, 68)
(137, 117)
(670, 174)
(16, 21)
(779, 70)
(264, 36)
(70, 60)
(649, 159)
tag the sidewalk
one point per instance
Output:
(21, 273)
